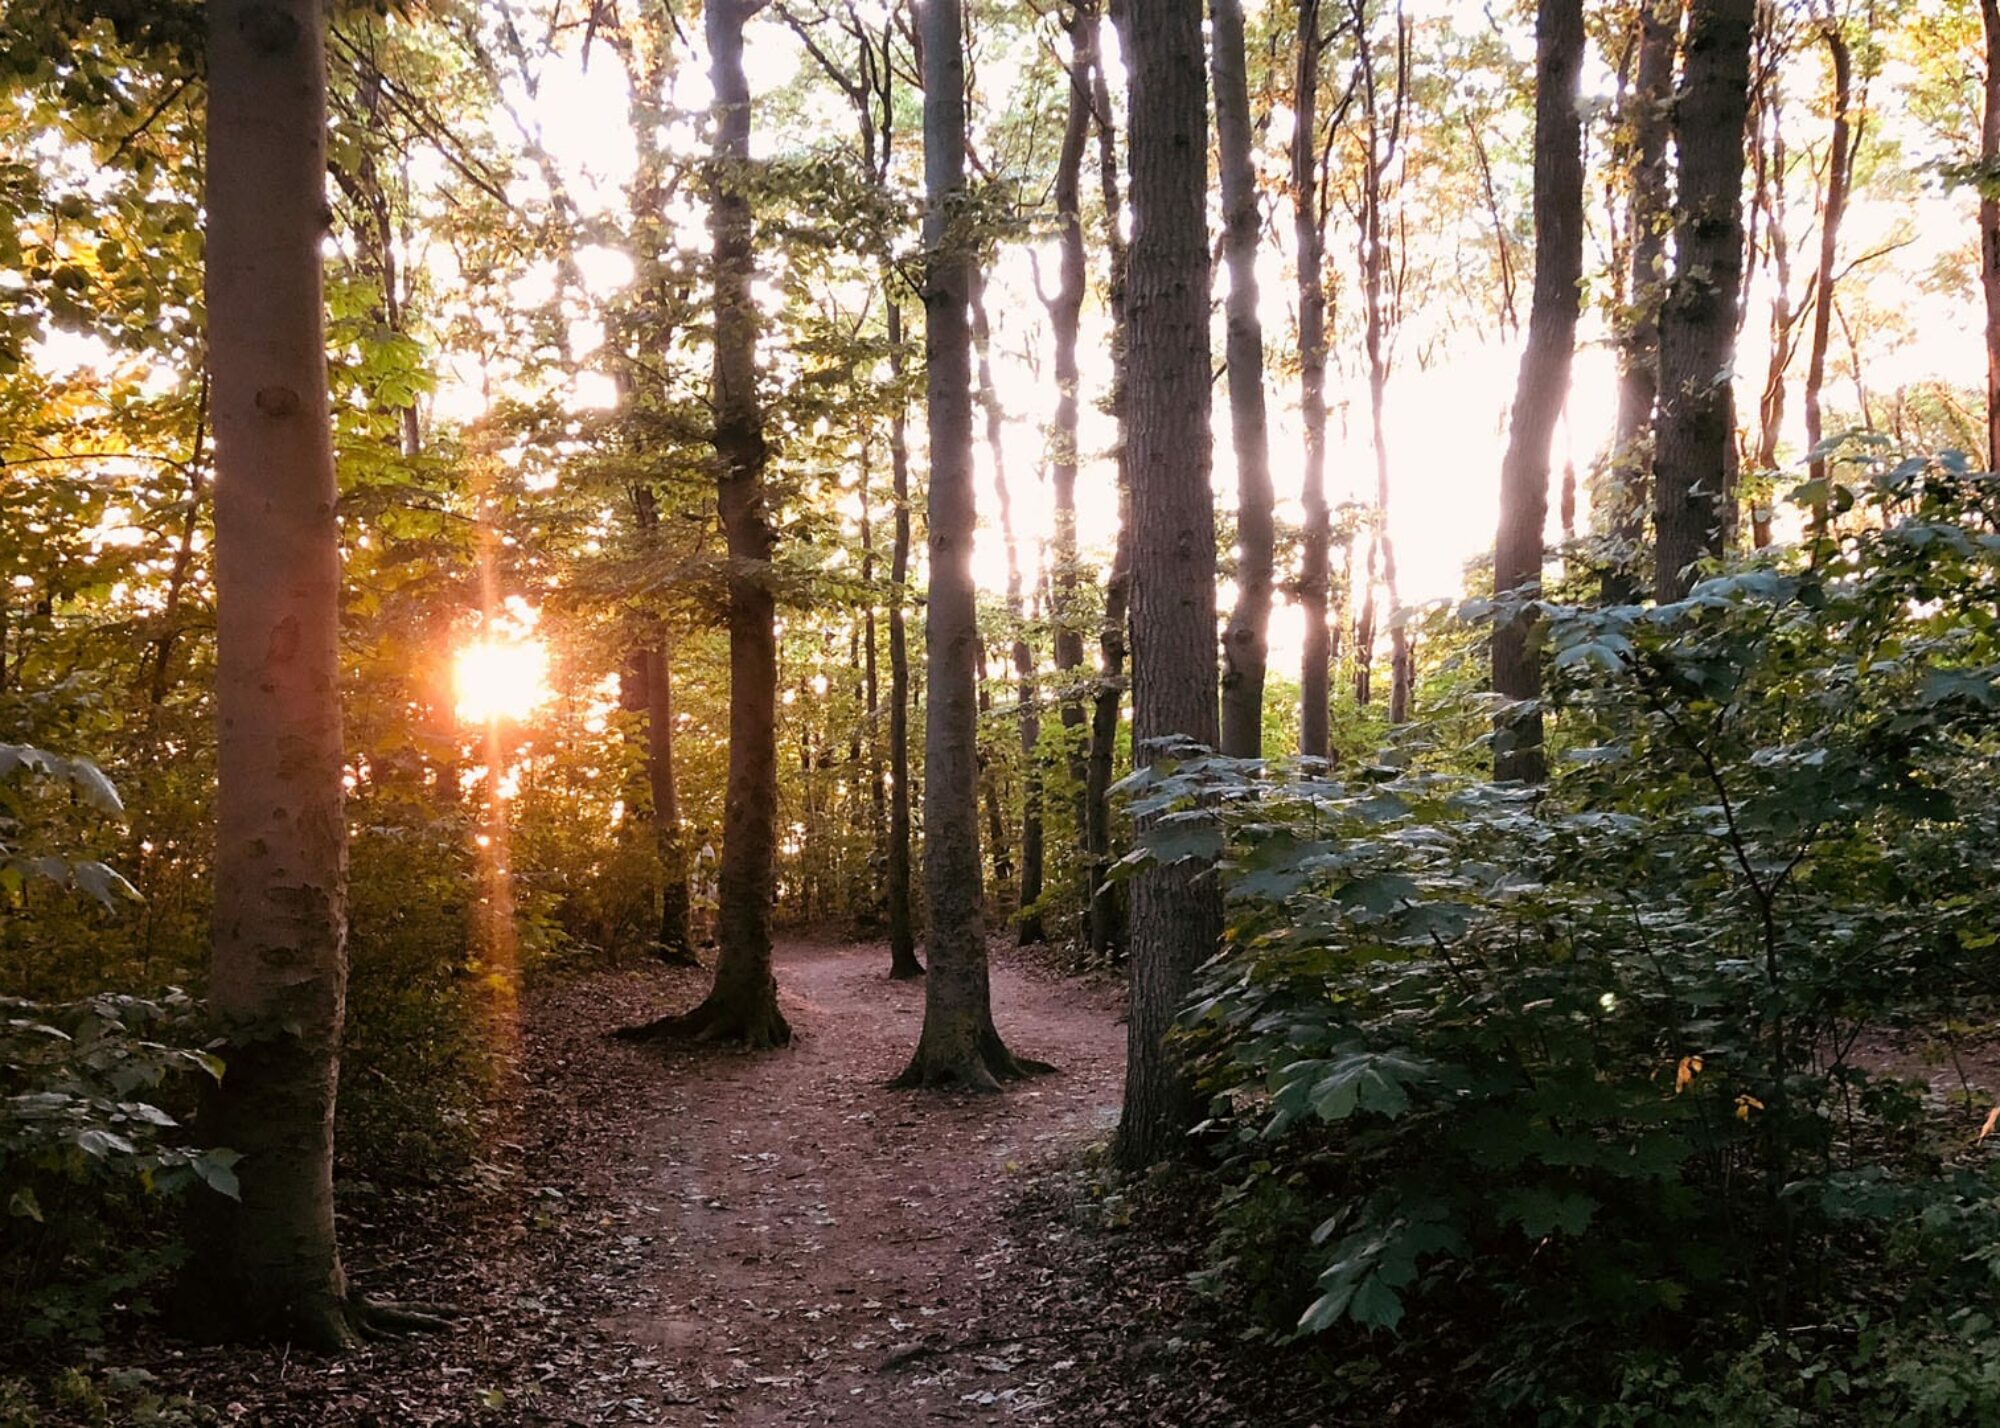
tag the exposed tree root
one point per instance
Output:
(982, 1064)
(910, 972)
(756, 1026)
(329, 1324)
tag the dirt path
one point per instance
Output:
(822, 1248)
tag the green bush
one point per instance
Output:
(1560, 1078)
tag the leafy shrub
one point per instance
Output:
(89, 1134)
(1582, 1068)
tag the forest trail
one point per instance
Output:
(821, 1249)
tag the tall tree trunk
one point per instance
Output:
(673, 943)
(1028, 717)
(743, 1003)
(1176, 910)
(1309, 239)
(267, 1265)
(959, 1045)
(871, 699)
(1693, 495)
(1107, 905)
(1646, 130)
(1768, 114)
(903, 963)
(1839, 176)
(1989, 224)
(1544, 380)
(1246, 641)
(1065, 323)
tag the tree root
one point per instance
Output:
(947, 1064)
(717, 1021)
(669, 955)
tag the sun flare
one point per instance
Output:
(497, 680)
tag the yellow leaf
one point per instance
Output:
(1746, 1104)
(1992, 1119)
(1689, 1068)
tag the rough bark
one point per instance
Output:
(1647, 125)
(267, 1265)
(1695, 430)
(1107, 903)
(1309, 240)
(1839, 176)
(1989, 224)
(1176, 910)
(1544, 381)
(742, 1005)
(959, 1045)
(1245, 642)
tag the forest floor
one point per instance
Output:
(688, 1236)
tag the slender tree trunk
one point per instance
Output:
(1065, 322)
(1176, 910)
(1107, 905)
(1989, 224)
(1309, 239)
(1029, 717)
(1693, 494)
(743, 1003)
(1002, 853)
(903, 963)
(1647, 216)
(1544, 380)
(959, 1045)
(267, 1265)
(1246, 642)
(674, 943)
(871, 696)
(1839, 175)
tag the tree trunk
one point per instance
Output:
(1309, 239)
(959, 1045)
(1029, 718)
(1176, 910)
(674, 944)
(1839, 176)
(1693, 494)
(1544, 381)
(903, 963)
(1246, 643)
(1989, 224)
(1767, 115)
(743, 1003)
(1646, 130)
(267, 1265)
(1107, 905)
(1065, 323)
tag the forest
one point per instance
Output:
(1277, 713)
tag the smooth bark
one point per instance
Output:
(1989, 223)
(1309, 241)
(1176, 910)
(742, 1005)
(1246, 640)
(1839, 178)
(267, 1265)
(959, 1045)
(1544, 382)
(1107, 902)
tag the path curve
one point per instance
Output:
(821, 1248)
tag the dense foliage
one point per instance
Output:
(1604, 1086)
